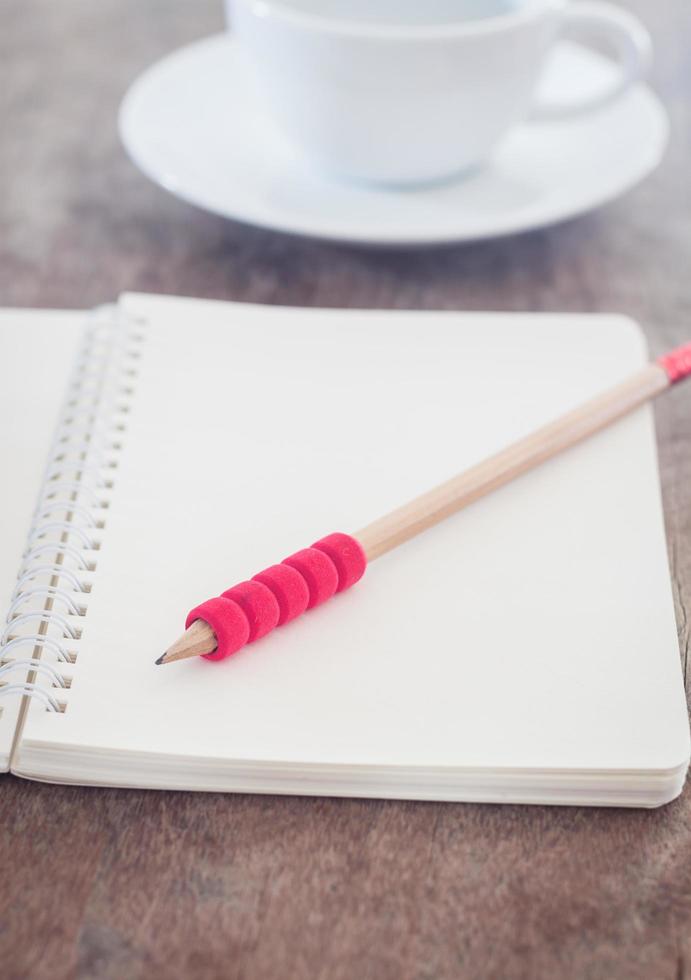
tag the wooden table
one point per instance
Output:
(128, 884)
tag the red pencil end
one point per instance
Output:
(677, 364)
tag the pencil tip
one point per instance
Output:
(197, 640)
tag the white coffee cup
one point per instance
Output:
(401, 99)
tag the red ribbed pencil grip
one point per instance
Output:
(252, 609)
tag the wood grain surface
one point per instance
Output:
(128, 884)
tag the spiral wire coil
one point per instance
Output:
(40, 639)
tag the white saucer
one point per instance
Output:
(190, 125)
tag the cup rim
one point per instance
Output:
(282, 11)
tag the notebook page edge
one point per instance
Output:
(23, 333)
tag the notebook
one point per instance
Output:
(160, 450)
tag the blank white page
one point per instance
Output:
(37, 352)
(533, 631)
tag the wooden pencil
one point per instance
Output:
(264, 602)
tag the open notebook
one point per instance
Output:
(524, 650)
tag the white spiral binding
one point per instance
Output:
(45, 618)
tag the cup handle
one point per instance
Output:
(620, 31)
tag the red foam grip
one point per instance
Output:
(348, 556)
(228, 622)
(318, 571)
(289, 589)
(259, 606)
(677, 363)
(252, 609)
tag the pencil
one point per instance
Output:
(250, 610)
